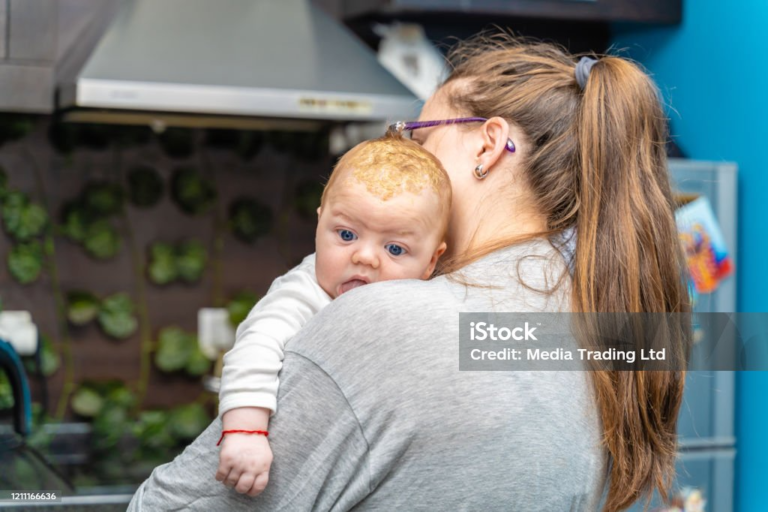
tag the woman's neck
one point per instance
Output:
(491, 225)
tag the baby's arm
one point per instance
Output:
(249, 379)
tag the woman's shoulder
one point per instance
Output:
(400, 297)
(379, 303)
(527, 277)
(367, 319)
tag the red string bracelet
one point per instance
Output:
(261, 432)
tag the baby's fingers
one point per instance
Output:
(223, 470)
(233, 477)
(259, 484)
(245, 483)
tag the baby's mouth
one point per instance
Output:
(351, 284)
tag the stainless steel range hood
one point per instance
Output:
(229, 61)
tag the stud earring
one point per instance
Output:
(479, 172)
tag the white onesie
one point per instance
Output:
(250, 371)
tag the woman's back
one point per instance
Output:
(440, 439)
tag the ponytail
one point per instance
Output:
(628, 260)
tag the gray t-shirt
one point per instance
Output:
(374, 414)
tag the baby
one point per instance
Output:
(383, 216)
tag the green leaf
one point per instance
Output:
(109, 426)
(197, 364)
(13, 204)
(186, 261)
(162, 250)
(82, 307)
(40, 439)
(25, 262)
(307, 199)
(239, 307)
(76, 221)
(48, 357)
(191, 257)
(162, 265)
(48, 246)
(15, 126)
(153, 432)
(174, 349)
(192, 193)
(116, 316)
(121, 396)
(23, 219)
(6, 393)
(188, 421)
(145, 186)
(102, 240)
(87, 402)
(118, 326)
(34, 218)
(249, 219)
(103, 198)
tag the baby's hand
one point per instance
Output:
(244, 462)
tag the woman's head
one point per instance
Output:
(472, 152)
(591, 157)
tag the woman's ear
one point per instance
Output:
(433, 262)
(495, 134)
(319, 211)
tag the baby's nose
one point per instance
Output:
(366, 256)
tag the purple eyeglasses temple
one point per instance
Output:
(401, 126)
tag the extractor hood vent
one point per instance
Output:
(274, 59)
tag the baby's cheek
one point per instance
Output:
(401, 271)
(325, 275)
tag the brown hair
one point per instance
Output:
(392, 164)
(595, 160)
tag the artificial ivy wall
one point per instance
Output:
(114, 237)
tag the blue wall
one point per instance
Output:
(713, 73)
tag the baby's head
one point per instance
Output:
(383, 215)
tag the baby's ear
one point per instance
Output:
(433, 262)
(319, 210)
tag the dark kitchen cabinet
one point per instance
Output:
(646, 11)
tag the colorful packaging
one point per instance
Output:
(705, 250)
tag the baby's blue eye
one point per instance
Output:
(395, 250)
(346, 235)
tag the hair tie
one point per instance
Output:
(582, 70)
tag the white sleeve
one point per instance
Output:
(249, 378)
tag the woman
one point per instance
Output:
(373, 412)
